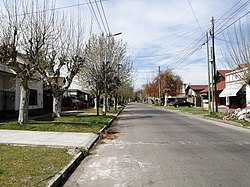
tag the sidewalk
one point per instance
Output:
(57, 139)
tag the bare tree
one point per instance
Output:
(65, 60)
(103, 56)
(48, 45)
(237, 49)
(23, 42)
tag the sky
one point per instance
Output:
(165, 33)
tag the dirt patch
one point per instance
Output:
(110, 133)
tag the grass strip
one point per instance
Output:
(191, 110)
(70, 123)
(30, 166)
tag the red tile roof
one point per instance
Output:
(197, 87)
(223, 72)
(219, 87)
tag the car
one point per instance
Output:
(77, 104)
(182, 103)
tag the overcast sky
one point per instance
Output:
(165, 32)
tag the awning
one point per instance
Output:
(231, 90)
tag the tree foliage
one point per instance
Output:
(106, 64)
(169, 82)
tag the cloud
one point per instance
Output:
(161, 33)
(163, 27)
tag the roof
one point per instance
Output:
(223, 72)
(219, 87)
(197, 87)
(5, 69)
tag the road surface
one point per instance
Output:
(162, 148)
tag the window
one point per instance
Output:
(33, 97)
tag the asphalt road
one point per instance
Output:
(161, 148)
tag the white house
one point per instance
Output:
(237, 92)
(10, 92)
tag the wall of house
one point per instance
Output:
(235, 77)
(248, 96)
(34, 85)
(7, 92)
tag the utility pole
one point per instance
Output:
(212, 80)
(159, 83)
(214, 67)
(105, 70)
(208, 64)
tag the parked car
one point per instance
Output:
(77, 104)
(182, 103)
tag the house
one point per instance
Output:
(10, 93)
(47, 94)
(236, 92)
(77, 98)
(193, 94)
(74, 98)
(220, 86)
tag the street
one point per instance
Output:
(155, 147)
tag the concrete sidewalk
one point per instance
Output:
(57, 139)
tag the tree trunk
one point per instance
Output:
(115, 103)
(97, 105)
(57, 104)
(95, 101)
(23, 117)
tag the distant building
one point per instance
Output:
(220, 86)
(193, 94)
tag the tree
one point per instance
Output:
(169, 82)
(103, 56)
(65, 58)
(23, 43)
(237, 50)
(48, 45)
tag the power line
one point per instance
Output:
(232, 23)
(189, 52)
(222, 25)
(101, 18)
(195, 16)
(105, 17)
(58, 8)
(92, 10)
(184, 34)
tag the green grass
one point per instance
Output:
(191, 110)
(30, 166)
(71, 123)
(200, 111)
(215, 115)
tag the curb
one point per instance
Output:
(209, 118)
(61, 177)
(110, 122)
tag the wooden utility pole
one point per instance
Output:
(214, 67)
